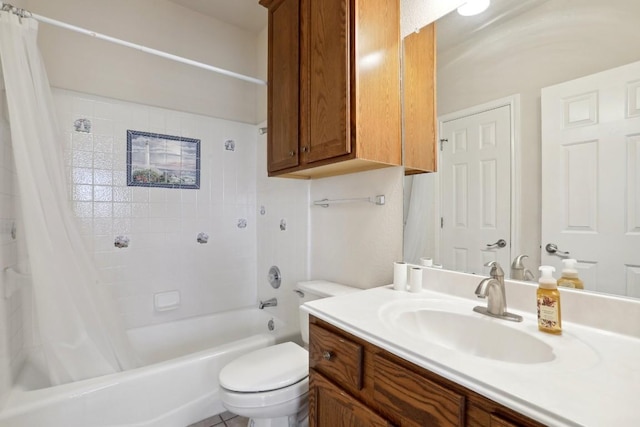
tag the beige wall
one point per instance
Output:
(558, 41)
(262, 55)
(19, 3)
(356, 243)
(415, 14)
(80, 63)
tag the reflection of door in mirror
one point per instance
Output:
(475, 164)
(590, 180)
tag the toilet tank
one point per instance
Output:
(316, 289)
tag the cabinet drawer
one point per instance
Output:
(409, 399)
(338, 358)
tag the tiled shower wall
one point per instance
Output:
(283, 236)
(163, 224)
(11, 320)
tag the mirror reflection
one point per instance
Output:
(539, 112)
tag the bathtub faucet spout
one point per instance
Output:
(268, 303)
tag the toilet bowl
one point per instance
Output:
(270, 385)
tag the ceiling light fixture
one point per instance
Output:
(473, 7)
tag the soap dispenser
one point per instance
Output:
(549, 314)
(569, 276)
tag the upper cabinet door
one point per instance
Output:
(419, 90)
(327, 70)
(284, 85)
(334, 86)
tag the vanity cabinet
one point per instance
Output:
(334, 86)
(355, 383)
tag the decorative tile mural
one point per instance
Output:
(155, 160)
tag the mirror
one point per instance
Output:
(509, 53)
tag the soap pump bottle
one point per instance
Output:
(549, 315)
(569, 276)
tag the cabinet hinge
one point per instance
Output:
(441, 222)
(442, 141)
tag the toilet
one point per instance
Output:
(270, 385)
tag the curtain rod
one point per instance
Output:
(24, 13)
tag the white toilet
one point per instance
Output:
(270, 385)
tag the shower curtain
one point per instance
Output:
(416, 227)
(79, 329)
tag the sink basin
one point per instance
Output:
(456, 327)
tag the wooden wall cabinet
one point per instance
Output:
(355, 383)
(419, 101)
(334, 86)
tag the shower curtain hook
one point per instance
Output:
(24, 13)
(21, 13)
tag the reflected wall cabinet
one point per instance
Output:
(334, 86)
(419, 101)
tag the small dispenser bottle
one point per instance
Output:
(569, 278)
(549, 315)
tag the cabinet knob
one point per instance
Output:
(327, 355)
(292, 153)
(305, 149)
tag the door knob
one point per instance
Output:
(500, 244)
(552, 248)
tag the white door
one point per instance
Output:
(475, 168)
(590, 177)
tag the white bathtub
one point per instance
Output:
(177, 387)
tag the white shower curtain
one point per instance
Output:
(417, 240)
(80, 331)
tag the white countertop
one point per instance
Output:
(594, 379)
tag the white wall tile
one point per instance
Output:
(162, 224)
(288, 250)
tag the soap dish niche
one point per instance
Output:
(166, 301)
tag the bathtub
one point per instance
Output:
(177, 386)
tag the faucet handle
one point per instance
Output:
(496, 270)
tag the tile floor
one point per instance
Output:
(226, 419)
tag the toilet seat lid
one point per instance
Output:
(268, 368)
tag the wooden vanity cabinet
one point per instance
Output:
(355, 383)
(334, 86)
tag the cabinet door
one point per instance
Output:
(485, 415)
(412, 400)
(284, 85)
(326, 72)
(331, 406)
(496, 421)
(419, 96)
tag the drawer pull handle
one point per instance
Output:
(327, 355)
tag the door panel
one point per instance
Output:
(590, 178)
(329, 80)
(331, 406)
(476, 190)
(284, 74)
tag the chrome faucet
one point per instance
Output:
(518, 271)
(493, 289)
(268, 303)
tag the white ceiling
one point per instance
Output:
(454, 28)
(246, 14)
